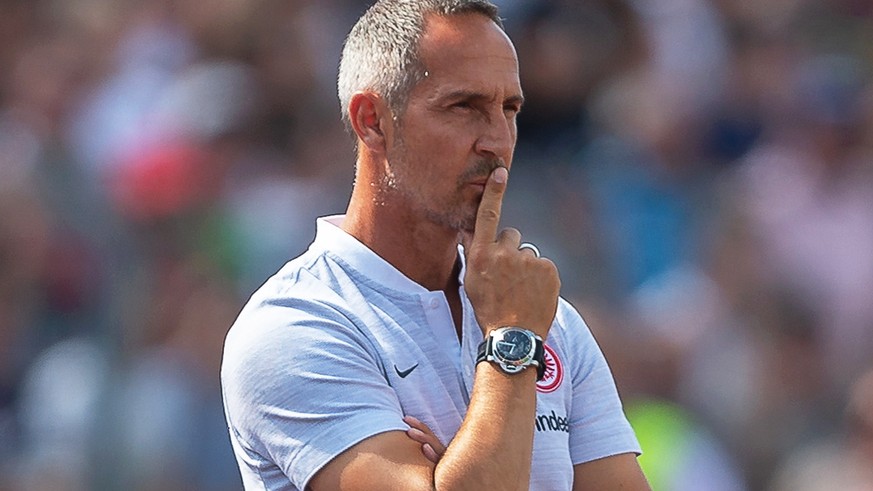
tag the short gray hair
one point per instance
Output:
(381, 51)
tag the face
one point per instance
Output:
(459, 123)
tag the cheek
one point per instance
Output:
(445, 156)
(438, 136)
(456, 137)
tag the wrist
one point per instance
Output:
(536, 330)
(494, 377)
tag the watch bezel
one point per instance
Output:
(513, 365)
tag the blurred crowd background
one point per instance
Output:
(700, 171)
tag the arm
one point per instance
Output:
(494, 445)
(615, 472)
(488, 451)
(618, 472)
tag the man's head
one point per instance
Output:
(432, 127)
(381, 52)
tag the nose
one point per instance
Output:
(498, 136)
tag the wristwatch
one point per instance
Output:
(513, 349)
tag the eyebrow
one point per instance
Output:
(469, 94)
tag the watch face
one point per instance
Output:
(515, 346)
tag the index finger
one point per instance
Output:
(488, 216)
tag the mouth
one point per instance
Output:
(476, 190)
(479, 172)
(479, 182)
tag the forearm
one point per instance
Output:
(493, 447)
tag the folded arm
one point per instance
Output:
(493, 447)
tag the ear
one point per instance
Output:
(367, 113)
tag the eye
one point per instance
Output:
(512, 109)
(462, 105)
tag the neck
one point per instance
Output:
(423, 251)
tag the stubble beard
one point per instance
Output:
(454, 212)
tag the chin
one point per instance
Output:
(468, 226)
(461, 219)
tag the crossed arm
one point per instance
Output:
(494, 445)
(615, 472)
(487, 453)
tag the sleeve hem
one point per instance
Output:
(313, 457)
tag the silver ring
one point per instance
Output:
(531, 247)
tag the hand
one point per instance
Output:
(506, 286)
(431, 446)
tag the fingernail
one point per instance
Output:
(415, 432)
(430, 453)
(500, 174)
(410, 420)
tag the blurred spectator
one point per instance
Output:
(808, 190)
(688, 52)
(165, 412)
(23, 248)
(678, 454)
(838, 462)
(643, 180)
(566, 49)
(699, 170)
(59, 407)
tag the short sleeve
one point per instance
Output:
(598, 426)
(301, 385)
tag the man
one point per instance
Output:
(384, 315)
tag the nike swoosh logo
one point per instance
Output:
(404, 373)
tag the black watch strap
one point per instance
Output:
(540, 357)
(482, 351)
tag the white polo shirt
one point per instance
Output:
(339, 345)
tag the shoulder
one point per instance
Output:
(568, 316)
(570, 331)
(295, 320)
(304, 291)
(573, 342)
(295, 343)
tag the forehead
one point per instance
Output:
(468, 52)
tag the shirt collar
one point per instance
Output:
(331, 238)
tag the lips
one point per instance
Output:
(480, 182)
(477, 188)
